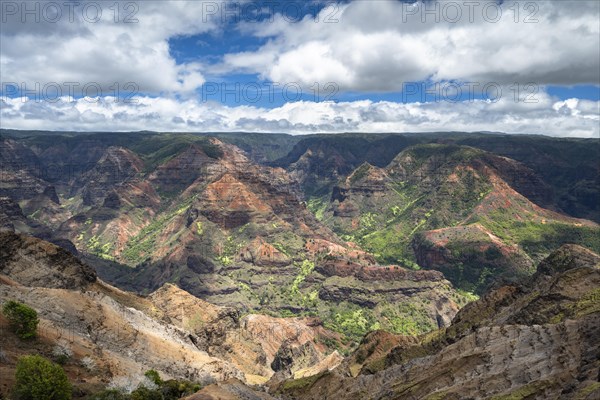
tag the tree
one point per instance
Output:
(143, 393)
(109, 394)
(37, 378)
(153, 376)
(22, 318)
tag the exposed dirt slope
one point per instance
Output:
(535, 341)
(125, 335)
(456, 209)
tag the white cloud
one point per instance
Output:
(378, 47)
(75, 49)
(573, 118)
(373, 48)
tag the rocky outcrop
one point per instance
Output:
(535, 341)
(116, 166)
(288, 357)
(10, 213)
(178, 173)
(261, 253)
(432, 299)
(465, 212)
(378, 273)
(524, 180)
(202, 215)
(35, 263)
(364, 188)
(471, 256)
(255, 344)
(365, 181)
(122, 335)
(566, 258)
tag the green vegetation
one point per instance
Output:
(411, 207)
(163, 390)
(140, 247)
(538, 238)
(360, 173)
(302, 383)
(439, 186)
(318, 206)
(463, 297)
(157, 149)
(110, 394)
(311, 300)
(281, 248)
(100, 250)
(143, 393)
(525, 392)
(437, 396)
(407, 319)
(40, 379)
(351, 320)
(228, 251)
(23, 319)
(153, 376)
(585, 392)
(306, 268)
(588, 303)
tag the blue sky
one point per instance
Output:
(305, 67)
(211, 47)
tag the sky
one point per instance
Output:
(302, 67)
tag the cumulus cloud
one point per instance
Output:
(363, 47)
(102, 43)
(573, 118)
(377, 47)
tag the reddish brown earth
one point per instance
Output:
(534, 341)
(171, 331)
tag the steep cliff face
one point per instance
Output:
(36, 263)
(11, 216)
(116, 166)
(238, 234)
(22, 174)
(187, 206)
(124, 335)
(471, 256)
(569, 169)
(253, 343)
(179, 172)
(457, 209)
(111, 334)
(535, 341)
(330, 237)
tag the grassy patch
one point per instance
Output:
(524, 392)
(140, 247)
(302, 383)
(306, 268)
(588, 304)
(318, 206)
(407, 319)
